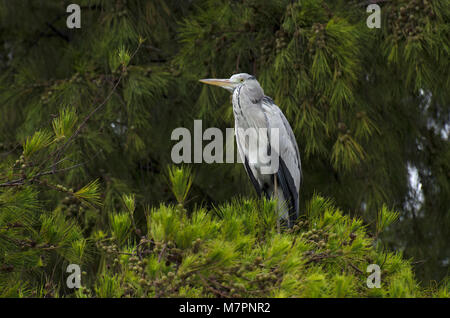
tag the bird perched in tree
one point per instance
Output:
(275, 139)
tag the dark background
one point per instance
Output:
(369, 107)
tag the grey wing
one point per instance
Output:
(289, 172)
(247, 167)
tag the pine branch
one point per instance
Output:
(58, 152)
(58, 33)
(22, 181)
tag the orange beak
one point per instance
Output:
(224, 83)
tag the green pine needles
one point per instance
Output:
(87, 178)
(235, 251)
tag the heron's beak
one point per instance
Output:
(224, 83)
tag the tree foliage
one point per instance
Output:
(87, 116)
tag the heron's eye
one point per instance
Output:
(241, 80)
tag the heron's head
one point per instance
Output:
(231, 83)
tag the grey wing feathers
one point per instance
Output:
(252, 177)
(287, 184)
(247, 167)
(289, 173)
(267, 101)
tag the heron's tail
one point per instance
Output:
(283, 207)
(287, 201)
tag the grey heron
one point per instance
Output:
(252, 109)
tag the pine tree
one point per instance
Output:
(87, 116)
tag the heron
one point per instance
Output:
(252, 109)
